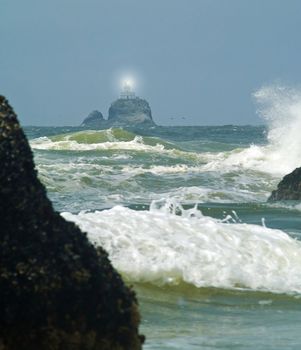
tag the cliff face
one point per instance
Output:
(134, 111)
(289, 188)
(57, 292)
(94, 119)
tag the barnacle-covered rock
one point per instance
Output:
(57, 292)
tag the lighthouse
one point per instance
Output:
(127, 92)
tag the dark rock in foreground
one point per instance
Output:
(289, 188)
(57, 292)
(94, 120)
(131, 111)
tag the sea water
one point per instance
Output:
(182, 212)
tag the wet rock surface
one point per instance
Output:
(56, 290)
(289, 188)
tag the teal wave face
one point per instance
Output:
(114, 138)
(93, 136)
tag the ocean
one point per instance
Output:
(182, 212)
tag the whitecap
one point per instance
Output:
(169, 245)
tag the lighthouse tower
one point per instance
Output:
(127, 92)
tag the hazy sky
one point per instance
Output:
(195, 59)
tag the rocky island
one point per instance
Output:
(128, 110)
(95, 119)
(57, 291)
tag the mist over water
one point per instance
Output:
(280, 107)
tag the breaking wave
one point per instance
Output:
(170, 245)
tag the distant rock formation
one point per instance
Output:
(289, 188)
(57, 292)
(132, 111)
(95, 120)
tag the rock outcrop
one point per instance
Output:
(94, 120)
(130, 112)
(289, 188)
(57, 292)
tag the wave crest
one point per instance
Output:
(110, 139)
(162, 247)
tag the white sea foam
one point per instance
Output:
(45, 143)
(160, 247)
(239, 193)
(161, 169)
(91, 172)
(293, 205)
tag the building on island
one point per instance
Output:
(127, 92)
(127, 111)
